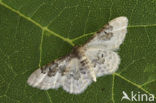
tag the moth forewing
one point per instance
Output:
(97, 57)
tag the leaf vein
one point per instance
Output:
(37, 24)
(42, 35)
(37, 9)
(133, 10)
(138, 86)
(56, 16)
(113, 88)
(134, 61)
(110, 10)
(141, 26)
(86, 21)
(149, 40)
(84, 35)
(130, 26)
(48, 96)
(146, 83)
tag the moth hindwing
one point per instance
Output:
(97, 57)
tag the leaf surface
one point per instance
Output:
(36, 32)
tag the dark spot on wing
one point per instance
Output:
(106, 36)
(75, 52)
(52, 72)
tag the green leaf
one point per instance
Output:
(36, 32)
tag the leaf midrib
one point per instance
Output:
(45, 28)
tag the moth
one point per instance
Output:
(96, 58)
